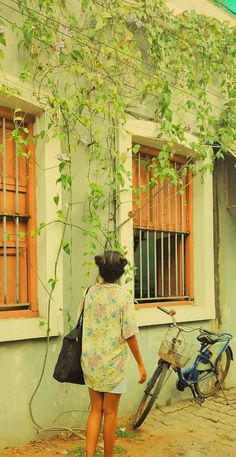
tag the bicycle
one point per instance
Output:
(204, 377)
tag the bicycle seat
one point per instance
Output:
(206, 338)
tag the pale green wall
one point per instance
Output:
(21, 362)
(225, 246)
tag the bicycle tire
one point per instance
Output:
(210, 386)
(148, 400)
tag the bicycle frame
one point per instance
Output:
(191, 374)
(174, 354)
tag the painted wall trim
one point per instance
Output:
(12, 329)
(144, 132)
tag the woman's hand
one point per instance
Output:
(134, 347)
(142, 373)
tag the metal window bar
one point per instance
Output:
(4, 210)
(182, 245)
(176, 243)
(148, 225)
(15, 216)
(140, 231)
(154, 239)
(169, 245)
(17, 227)
(162, 244)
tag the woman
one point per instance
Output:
(109, 327)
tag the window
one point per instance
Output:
(162, 226)
(18, 279)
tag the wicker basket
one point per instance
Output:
(168, 353)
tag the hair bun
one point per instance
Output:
(123, 261)
(100, 260)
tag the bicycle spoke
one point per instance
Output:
(209, 384)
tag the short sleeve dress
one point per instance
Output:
(109, 319)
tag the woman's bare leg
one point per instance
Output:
(110, 410)
(94, 421)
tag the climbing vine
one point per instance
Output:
(92, 64)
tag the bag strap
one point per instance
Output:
(83, 304)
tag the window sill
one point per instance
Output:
(24, 328)
(164, 304)
(18, 313)
(191, 313)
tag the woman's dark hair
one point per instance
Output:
(111, 265)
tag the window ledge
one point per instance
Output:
(191, 313)
(164, 304)
(16, 329)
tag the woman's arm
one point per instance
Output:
(134, 347)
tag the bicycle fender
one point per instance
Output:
(231, 353)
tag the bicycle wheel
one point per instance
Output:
(151, 393)
(211, 385)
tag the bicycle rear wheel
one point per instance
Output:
(211, 385)
(151, 393)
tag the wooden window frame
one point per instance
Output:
(189, 246)
(31, 225)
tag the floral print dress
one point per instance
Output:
(109, 319)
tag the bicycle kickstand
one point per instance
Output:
(223, 392)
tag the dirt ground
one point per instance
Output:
(140, 444)
(174, 443)
(183, 429)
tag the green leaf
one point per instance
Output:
(62, 165)
(56, 199)
(232, 93)
(66, 246)
(42, 323)
(25, 75)
(61, 215)
(76, 55)
(80, 108)
(42, 134)
(62, 58)
(99, 23)
(42, 225)
(2, 40)
(65, 181)
(136, 148)
(84, 4)
(52, 282)
(22, 236)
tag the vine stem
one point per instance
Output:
(48, 328)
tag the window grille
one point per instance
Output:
(162, 233)
(17, 219)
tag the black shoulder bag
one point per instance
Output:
(68, 367)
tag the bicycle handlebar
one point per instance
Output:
(172, 313)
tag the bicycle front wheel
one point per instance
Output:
(208, 387)
(151, 393)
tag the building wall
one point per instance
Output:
(23, 342)
(225, 251)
